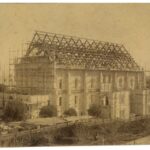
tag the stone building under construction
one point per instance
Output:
(76, 72)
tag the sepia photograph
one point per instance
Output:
(74, 74)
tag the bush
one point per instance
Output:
(95, 110)
(39, 140)
(15, 110)
(65, 136)
(70, 112)
(135, 127)
(48, 111)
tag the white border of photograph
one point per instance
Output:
(115, 147)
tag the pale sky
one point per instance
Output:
(128, 24)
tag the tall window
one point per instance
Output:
(106, 79)
(103, 79)
(76, 83)
(75, 100)
(148, 109)
(60, 84)
(92, 82)
(106, 101)
(132, 83)
(60, 101)
(109, 78)
(92, 99)
(122, 114)
(49, 102)
(122, 99)
(120, 83)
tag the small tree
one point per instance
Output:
(95, 110)
(48, 111)
(70, 112)
(15, 110)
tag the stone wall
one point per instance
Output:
(78, 89)
(140, 102)
(120, 105)
(74, 88)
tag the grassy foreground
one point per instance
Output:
(110, 133)
(117, 132)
